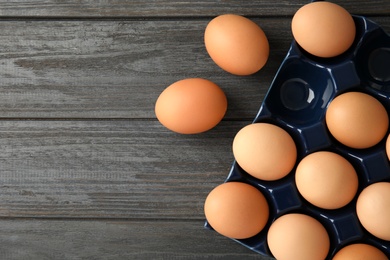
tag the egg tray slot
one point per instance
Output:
(297, 101)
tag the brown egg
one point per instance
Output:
(323, 29)
(298, 236)
(265, 151)
(360, 251)
(357, 120)
(236, 210)
(236, 44)
(388, 146)
(191, 106)
(373, 209)
(326, 179)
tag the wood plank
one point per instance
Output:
(91, 69)
(59, 239)
(163, 8)
(110, 169)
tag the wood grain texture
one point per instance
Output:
(109, 169)
(87, 172)
(162, 8)
(109, 240)
(91, 69)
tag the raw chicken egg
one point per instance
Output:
(388, 146)
(265, 151)
(298, 236)
(236, 44)
(191, 106)
(357, 120)
(361, 252)
(327, 180)
(373, 209)
(236, 210)
(323, 29)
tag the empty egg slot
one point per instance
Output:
(296, 94)
(373, 60)
(379, 64)
(300, 93)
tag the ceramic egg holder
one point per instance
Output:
(297, 101)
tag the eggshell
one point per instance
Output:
(236, 44)
(236, 210)
(388, 146)
(357, 120)
(323, 29)
(298, 236)
(265, 151)
(326, 179)
(360, 252)
(191, 106)
(373, 209)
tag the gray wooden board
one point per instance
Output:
(109, 240)
(109, 169)
(162, 8)
(87, 172)
(91, 69)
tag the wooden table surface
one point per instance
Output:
(87, 171)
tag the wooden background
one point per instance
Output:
(87, 172)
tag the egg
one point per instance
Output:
(236, 44)
(191, 106)
(326, 179)
(265, 151)
(373, 209)
(388, 146)
(360, 251)
(236, 210)
(298, 236)
(357, 120)
(323, 29)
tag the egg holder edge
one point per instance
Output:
(302, 116)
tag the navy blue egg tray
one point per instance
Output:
(297, 101)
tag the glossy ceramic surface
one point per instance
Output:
(297, 101)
